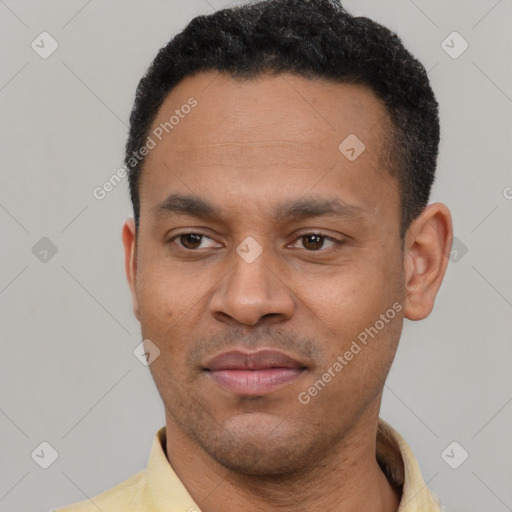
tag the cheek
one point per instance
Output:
(159, 286)
(170, 301)
(351, 302)
(360, 344)
(354, 292)
(157, 292)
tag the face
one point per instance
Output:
(257, 232)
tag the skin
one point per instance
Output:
(246, 148)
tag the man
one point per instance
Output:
(280, 158)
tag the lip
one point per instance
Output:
(253, 373)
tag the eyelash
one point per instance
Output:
(303, 235)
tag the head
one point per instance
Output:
(281, 202)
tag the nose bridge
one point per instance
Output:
(251, 289)
(252, 266)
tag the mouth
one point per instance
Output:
(254, 374)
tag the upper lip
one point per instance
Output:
(239, 360)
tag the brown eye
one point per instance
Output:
(191, 240)
(313, 242)
(317, 242)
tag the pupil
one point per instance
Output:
(314, 240)
(191, 239)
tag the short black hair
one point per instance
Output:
(313, 39)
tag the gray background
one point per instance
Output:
(69, 376)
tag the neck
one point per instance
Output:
(347, 479)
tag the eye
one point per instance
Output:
(316, 241)
(192, 241)
(312, 242)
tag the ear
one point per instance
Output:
(129, 237)
(426, 251)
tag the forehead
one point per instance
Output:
(284, 107)
(282, 130)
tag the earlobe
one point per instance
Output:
(129, 237)
(426, 255)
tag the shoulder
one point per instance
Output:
(122, 497)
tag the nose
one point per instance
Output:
(252, 291)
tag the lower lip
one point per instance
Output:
(255, 382)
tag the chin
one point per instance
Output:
(260, 459)
(261, 446)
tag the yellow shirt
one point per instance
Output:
(158, 489)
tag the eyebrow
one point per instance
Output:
(319, 207)
(193, 206)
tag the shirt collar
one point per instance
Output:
(166, 492)
(401, 468)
